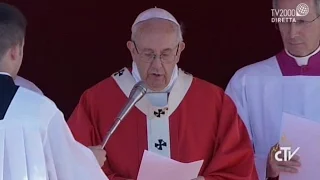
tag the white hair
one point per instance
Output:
(136, 28)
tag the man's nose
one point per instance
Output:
(293, 30)
(156, 62)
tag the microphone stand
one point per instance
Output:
(113, 128)
(118, 120)
(137, 92)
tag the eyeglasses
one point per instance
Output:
(166, 57)
(298, 23)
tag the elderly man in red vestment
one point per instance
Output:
(194, 119)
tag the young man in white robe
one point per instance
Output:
(35, 142)
(287, 82)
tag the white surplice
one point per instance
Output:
(20, 81)
(36, 143)
(262, 94)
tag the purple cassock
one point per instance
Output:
(264, 91)
(309, 66)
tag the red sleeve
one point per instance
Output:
(233, 158)
(82, 125)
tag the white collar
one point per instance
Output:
(302, 61)
(5, 73)
(174, 76)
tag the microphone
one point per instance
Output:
(137, 92)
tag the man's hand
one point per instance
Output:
(199, 178)
(275, 167)
(99, 153)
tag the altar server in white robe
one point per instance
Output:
(35, 142)
(23, 82)
(287, 82)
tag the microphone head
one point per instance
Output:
(138, 91)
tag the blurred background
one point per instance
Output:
(72, 44)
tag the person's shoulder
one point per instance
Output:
(106, 85)
(23, 82)
(200, 83)
(37, 108)
(20, 79)
(206, 88)
(36, 97)
(209, 93)
(37, 101)
(265, 67)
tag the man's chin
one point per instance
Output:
(156, 86)
(297, 50)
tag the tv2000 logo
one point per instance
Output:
(288, 15)
(302, 9)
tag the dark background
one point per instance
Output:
(73, 44)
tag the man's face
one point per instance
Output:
(156, 50)
(300, 38)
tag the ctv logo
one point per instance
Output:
(287, 154)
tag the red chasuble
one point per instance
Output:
(200, 122)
